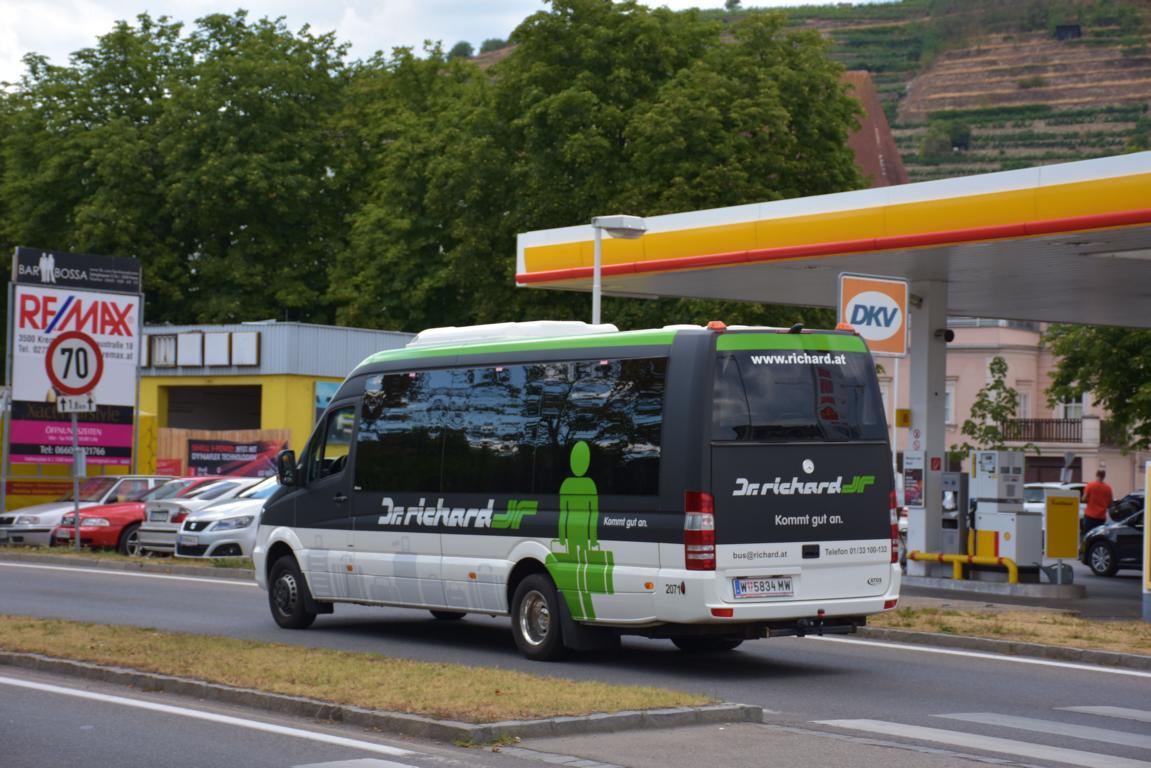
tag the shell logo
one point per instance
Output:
(876, 308)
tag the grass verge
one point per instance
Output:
(111, 555)
(452, 691)
(1049, 628)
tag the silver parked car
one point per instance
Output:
(33, 525)
(226, 528)
(162, 519)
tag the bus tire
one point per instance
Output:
(288, 595)
(705, 644)
(447, 615)
(536, 619)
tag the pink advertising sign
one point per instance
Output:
(42, 314)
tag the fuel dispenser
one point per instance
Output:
(1002, 527)
(956, 513)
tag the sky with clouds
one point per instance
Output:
(56, 28)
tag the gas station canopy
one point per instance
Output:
(1061, 243)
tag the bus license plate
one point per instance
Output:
(762, 586)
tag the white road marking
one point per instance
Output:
(135, 574)
(366, 762)
(212, 717)
(1123, 713)
(1087, 732)
(987, 744)
(990, 656)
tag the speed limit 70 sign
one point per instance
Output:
(75, 363)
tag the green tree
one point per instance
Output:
(461, 50)
(493, 44)
(205, 156)
(248, 181)
(81, 167)
(995, 404)
(1114, 365)
(256, 174)
(418, 145)
(943, 138)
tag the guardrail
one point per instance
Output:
(958, 561)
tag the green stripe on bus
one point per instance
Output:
(815, 342)
(626, 339)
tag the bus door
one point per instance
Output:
(396, 490)
(323, 509)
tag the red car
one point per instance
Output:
(115, 526)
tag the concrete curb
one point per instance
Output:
(393, 722)
(1009, 648)
(1002, 588)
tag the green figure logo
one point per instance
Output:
(583, 569)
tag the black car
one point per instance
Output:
(1118, 543)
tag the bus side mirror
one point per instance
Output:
(286, 468)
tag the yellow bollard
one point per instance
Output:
(957, 562)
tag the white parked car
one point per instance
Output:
(226, 528)
(33, 525)
(162, 519)
(1035, 495)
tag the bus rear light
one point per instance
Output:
(894, 504)
(699, 531)
(723, 613)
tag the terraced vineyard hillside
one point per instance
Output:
(973, 87)
(1026, 100)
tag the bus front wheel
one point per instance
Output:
(288, 595)
(536, 619)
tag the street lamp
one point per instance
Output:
(625, 227)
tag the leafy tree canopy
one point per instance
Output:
(1114, 366)
(461, 50)
(203, 155)
(258, 174)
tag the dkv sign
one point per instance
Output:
(876, 307)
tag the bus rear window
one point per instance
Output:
(774, 396)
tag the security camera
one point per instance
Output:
(946, 334)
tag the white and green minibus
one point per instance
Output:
(706, 485)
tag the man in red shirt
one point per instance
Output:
(1097, 495)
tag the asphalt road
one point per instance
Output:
(857, 689)
(52, 720)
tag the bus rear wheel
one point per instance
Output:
(288, 595)
(536, 619)
(704, 644)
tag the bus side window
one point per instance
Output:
(328, 454)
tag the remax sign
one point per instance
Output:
(876, 307)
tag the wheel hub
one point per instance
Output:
(535, 618)
(286, 593)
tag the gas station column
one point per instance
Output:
(925, 447)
